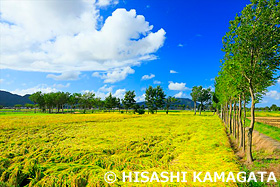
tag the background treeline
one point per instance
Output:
(250, 65)
(57, 102)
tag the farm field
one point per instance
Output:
(265, 113)
(78, 149)
(273, 121)
(267, 123)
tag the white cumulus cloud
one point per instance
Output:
(105, 88)
(180, 95)
(119, 93)
(147, 77)
(177, 86)
(104, 92)
(115, 75)
(140, 98)
(70, 36)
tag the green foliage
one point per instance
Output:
(18, 106)
(251, 60)
(129, 100)
(154, 98)
(200, 94)
(110, 102)
(141, 111)
(149, 98)
(168, 102)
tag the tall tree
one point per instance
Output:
(204, 95)
(129, 100)
(168, 102)
(150, 99)
(36, 98)
(159, 97)
(86, 100)
(49, 100)
(194, 95)
(110, 102)
(64, 97)
(118, 104)
(74, 99)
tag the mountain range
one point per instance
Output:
(8, 99)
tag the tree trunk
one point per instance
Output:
(233, 121)
(244, 123)
(226, 115)
(240, 123)
(221, 115)
(237, 124)
(251, 128)
(229, 117)
(194, 107)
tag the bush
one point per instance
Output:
(141, 111)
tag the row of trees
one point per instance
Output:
(154, 97)
(59, 101)
(250, 65)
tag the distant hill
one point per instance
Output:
(8, 99)
(180, 101)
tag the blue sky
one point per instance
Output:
(114, 46)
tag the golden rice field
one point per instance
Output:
(78, 149)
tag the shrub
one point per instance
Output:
(141, 111)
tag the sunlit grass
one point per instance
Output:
(271, 131)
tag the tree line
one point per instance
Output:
(155, 99)
(250, 65)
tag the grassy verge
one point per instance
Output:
(271, 131)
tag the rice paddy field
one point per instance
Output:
(78, 149)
